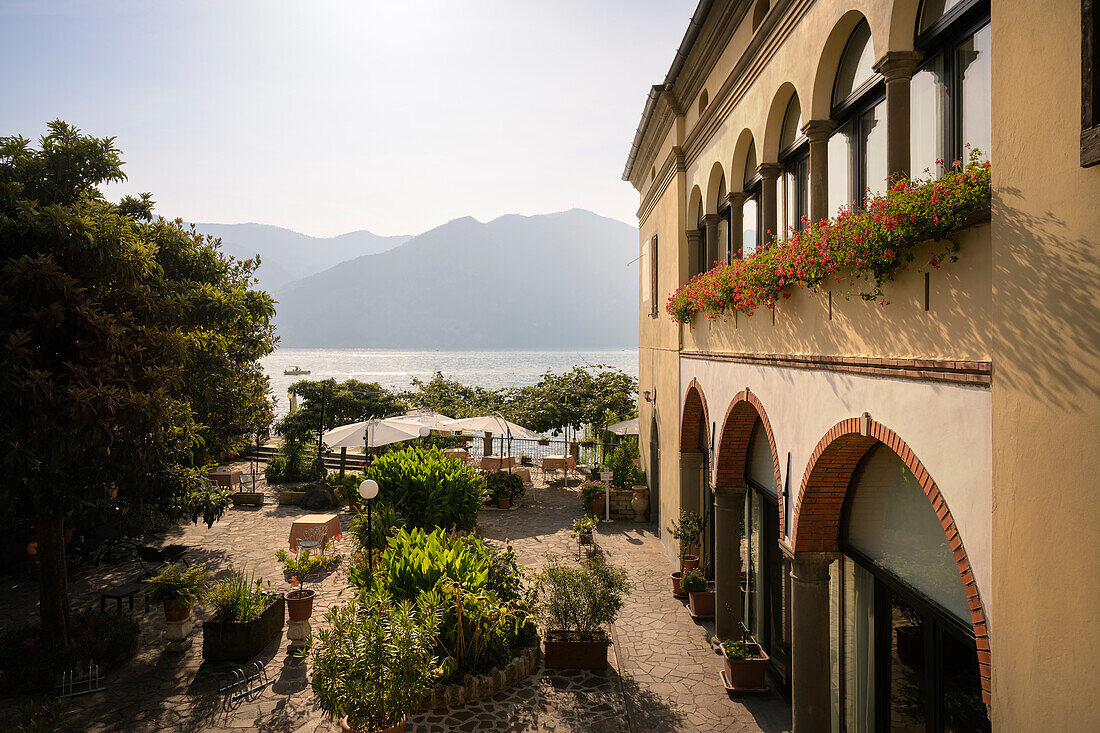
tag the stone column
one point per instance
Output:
(711, 222)
(737, 224)
(769, 197)
(729, 507)
(818, 132)
(897, 68)
(693, 259)
(810, 670)
(691, 481)
(487, 444)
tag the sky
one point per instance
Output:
(327, 117)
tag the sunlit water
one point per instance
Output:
(396, 369)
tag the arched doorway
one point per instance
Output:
(694, 461)
(907, 631)
(654, 473)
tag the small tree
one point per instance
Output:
(343, 402)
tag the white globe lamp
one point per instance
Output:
(368, 489)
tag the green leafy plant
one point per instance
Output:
(429, 489)
(592, 490)
(693, 582)
(620, 461)
(416, 561)
(293, 463)
(347, 486)
(870, 245)
(47, 717)
(108, 638)
(178, 584)
(736, 649)
(687, 530)
(578, 603)
(585, 525)
(305, 566)
(237, 598)
(373, 660)
(384, 523)
(504, 485)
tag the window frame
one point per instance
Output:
(653, 278)
(790, 159)
(752, 190)
(1090, 84)
(861, 100)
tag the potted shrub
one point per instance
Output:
(700, 594)
(576, 604)
(346, 488)
(504, 487)
(298, 571)
(247, 616)
(374, 663)
(746, 665)
(178, 589)
(592, 496)
(687, 531)
(583, 528)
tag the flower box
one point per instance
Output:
(701, 604)
(247, 498)
(747, 675)
(224, 641)
(574, 654)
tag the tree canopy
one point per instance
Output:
(344, 403)
(130, 347)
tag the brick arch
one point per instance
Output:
(694, 417)
(817, 513)
(732, 452)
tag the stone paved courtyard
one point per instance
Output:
(663, 674)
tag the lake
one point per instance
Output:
(395, 369)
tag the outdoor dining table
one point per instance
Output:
(305, 527)
(459, 453)
(225, 477)
(498, 462)
(559, 463)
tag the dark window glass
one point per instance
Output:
(856, 65)
(908, 693)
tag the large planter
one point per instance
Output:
(247, 498)
(596, 507)
(677, 591)
(299, 604)
(747, 674)
(398, 728)
(701, 604)
(177, 610)
(575, 654)
(225, 641)
(690, 562)
(640, 503)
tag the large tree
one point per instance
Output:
(342, 403)
(129, 351)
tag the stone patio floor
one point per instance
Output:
(664, 675)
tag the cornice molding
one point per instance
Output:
(674, 163)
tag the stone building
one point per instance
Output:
(901, 500)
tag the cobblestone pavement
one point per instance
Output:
(663, 674)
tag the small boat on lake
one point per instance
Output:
(295, 370)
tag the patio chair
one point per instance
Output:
(313, 539)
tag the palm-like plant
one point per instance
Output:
(178, 588)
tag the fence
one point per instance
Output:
(589, 453)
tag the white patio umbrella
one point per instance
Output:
(626, 427)
(490, 424)
(428, 418)
(372, 433)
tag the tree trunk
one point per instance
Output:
(53, 584)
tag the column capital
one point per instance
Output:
(736, 198)
(769, 171)
(811, 567)
(711, 219)
(818, 131)
(693, 236)
(691, 460)
(898, 65)
(728, 497)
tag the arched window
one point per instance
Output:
(722, 241)
(950, 92)
(905, 630)
(758, 13)
(794, 154)
(704, 100)
(857, 150)
(750, 209)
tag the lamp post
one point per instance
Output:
(368, 489)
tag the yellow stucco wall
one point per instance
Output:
(1046, 360)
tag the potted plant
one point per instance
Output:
(298, 571)
(583, 528)
(504, 487)
(178, 589)
(746, 664)
(700, 594)
(247, 616)
(576, 604)
(592, 496)
(373, 663)
(687, 531)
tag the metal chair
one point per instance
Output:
(313, 539)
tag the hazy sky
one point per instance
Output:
(327, 117)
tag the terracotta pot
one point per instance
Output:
(575, 654)
(702, 604)
(596, 507)
(177, 610)
(640, 503)
(748, 674)
(504, 502)
(299, 604)
(399, 728)
(676, 589)
(690, 562)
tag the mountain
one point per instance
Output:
(286, 255)
(518, 282)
